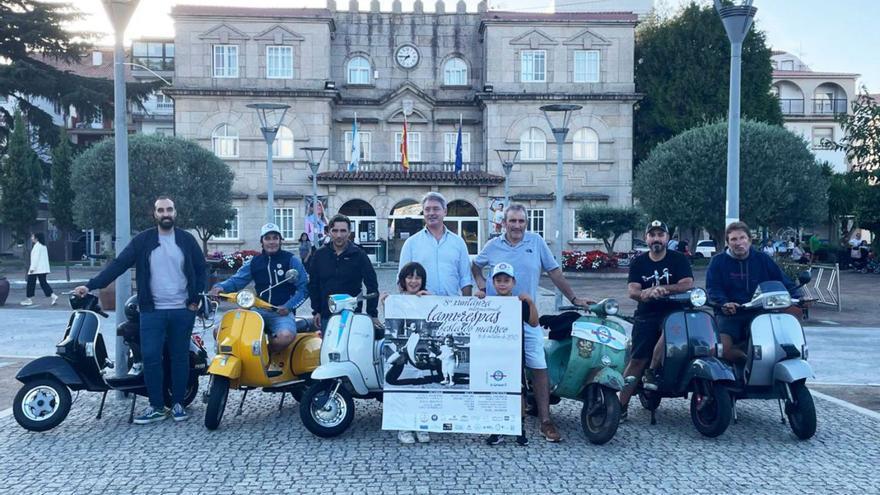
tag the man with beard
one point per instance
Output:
(170, 270)
(652, 275)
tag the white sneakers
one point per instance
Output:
(54, 299)
(27, 302)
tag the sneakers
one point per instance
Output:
(179, 413)
(136, 369)
(151, 415)
(423, 437)
(522, 440)
(27, 302)
(493, 439)
(651, 379)
(54, 298)
(551, 434)
(496, 439)
(406, 437)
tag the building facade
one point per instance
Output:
(485, 72)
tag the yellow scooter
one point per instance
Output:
(243, 358)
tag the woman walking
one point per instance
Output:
(38, 270)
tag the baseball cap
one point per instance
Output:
(270, 227)
(657, 224)
(505, 268)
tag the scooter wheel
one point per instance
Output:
(711, 408)
(192, 391)
(216, 401)
(600, 414)
(324, 413)
(802, 412)
(41, 404)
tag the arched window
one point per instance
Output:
(282, 147)
(586, 144)
(533, 144)
(359, 71)
(455, 72)
(224, 140)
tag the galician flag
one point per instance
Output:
(404, 157)
(355, 147)
(458, 152)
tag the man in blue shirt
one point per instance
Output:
(443, 253)
(266, 270)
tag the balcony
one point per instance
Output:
(792, 106)
(472, 174)
(414, 167)
(825, 106)
(820, 107)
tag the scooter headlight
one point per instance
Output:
(611, 307)
(331, 305)
(698, 297)
(245, 299)
(777, 301)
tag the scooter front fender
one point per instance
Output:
(52, 366)
(792, 370)
(345, 369)
(710, 368)
(225, 365)
(607, 377)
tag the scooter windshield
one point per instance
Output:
(769, 287)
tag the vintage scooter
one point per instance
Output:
(776, 365)
(588, 365)
(351, 366)
(243, 359)
(691, 366)
(81, 363)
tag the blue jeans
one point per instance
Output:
(161, 329)
(276, 323)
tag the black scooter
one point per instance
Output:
(80, 362)
(692, 366)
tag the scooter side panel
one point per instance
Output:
(347, 370)
(306, 353)
(762, 352)
(792, 370)
(565, 371)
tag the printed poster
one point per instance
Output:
(453, 364)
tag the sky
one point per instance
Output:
(840, 36)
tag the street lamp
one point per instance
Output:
(120, 12)
(737, 20)
(559, 133)
(314, 164)
(271, 115)
(507, 157)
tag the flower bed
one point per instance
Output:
(231, 262)
(588, 261)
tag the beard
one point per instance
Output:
(657, 247)
(166, 222)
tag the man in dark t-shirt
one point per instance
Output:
(653, 275)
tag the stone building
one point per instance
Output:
(488, 72)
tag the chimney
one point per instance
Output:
(97, 58)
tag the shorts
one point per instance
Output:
(646, 333)
(276, 323)
(736, 326)
(533, 347)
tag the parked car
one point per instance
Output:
(640, 246)
(705, 249)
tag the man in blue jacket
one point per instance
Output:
(266, 270)
(731, 281)
(170, 270)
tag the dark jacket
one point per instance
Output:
(137, 255)
(265, 271)
(731, 280)
(343, 274)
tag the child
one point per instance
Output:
(411, 280)
(448, 360)
(504, 280)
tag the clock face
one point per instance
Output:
(407, 56)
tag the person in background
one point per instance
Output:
(305, 248)
(38, 270)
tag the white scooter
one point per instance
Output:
(351, 366)
(776, 365)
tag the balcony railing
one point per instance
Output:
(792, 106)
(823, 106)
(382, 166)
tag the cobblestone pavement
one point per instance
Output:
(263, 451)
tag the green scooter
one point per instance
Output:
(585, 361)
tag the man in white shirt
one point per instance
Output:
(442, 253)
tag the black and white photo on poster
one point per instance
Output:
(452, 364)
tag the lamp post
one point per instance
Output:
(314, 164)
(271, 115)
(120, 12)
(737, 20)
(507, 157)
(559, 133)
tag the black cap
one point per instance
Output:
(656, 224)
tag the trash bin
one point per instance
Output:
(382, 251)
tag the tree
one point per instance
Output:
(20, 183)
(61, 195)
(682, 68)
(683, 180)
(199, 183)
(608, 222)
(861, 143)
(31, 36)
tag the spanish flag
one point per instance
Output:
(404, 158)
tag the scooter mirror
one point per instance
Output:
(291, 274)
(804, 277)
